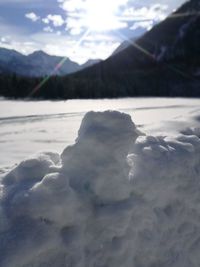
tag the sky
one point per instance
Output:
(77, 29)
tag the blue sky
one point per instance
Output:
(78, 29)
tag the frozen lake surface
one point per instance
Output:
(27, 127)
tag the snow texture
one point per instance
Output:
(114, 198)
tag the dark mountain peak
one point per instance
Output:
(165, 41)
(123, 46)
(7, 51)
(91, 62)
(39, 53)
(163, 61)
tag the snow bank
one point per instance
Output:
(111, 199)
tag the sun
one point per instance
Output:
(102, 15)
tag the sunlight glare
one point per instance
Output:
(103, 15)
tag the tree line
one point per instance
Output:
(160, 81)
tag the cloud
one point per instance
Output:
(64, 22)
(145, 17)
(15, 37)
(142, 24)
(94, 46)
(56, 20)
(46, 20)
(100, 49)
(5, 39)
(97, 44)
(32, 16)
(155, 12)
(95, 15)
(75, 31)
(108, 16)
(28, 4)
(22, 46)
(19, 1)
(54, 43)
(48, 29)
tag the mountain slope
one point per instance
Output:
(123, 46)
(36, 64)
(90, 63)
(159, 63)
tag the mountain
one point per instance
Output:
(137, 33)
(164, 61)
(123, 46)
(7, 59)
(43, 64)
(90, 63)
(36, 64)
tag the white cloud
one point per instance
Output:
(155, 12)
(19, 1)
(21, 46)
(93, 51)
(48, 29)
(56, 20)
(45, 20)
(65, 45)
(5, 39)
(104, 18)
(76, 31)
(93, 14)
(32, 16)
(14, 37)
(110, 15)
(142, 24)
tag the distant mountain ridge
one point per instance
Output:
(37, 64)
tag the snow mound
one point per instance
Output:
(114, 198)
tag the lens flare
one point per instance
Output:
(103, 15)
(151, 56)
(99, 18)
(58, 66)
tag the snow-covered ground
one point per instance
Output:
(123, 194)
(27, 127)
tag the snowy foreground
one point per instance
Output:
(116, 198)
(27, 127)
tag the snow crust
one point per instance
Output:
(116, 197)
(29, 126)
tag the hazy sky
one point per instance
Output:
(78, 29)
